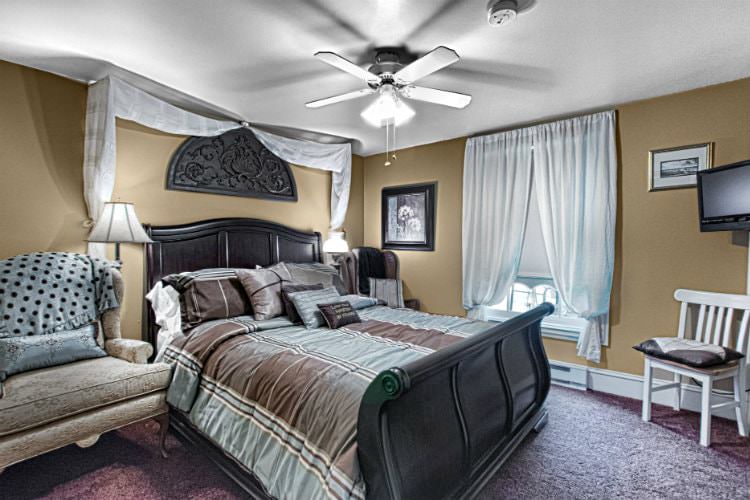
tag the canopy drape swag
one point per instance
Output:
(112, 98)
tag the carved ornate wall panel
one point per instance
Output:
(234, 163)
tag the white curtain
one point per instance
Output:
(496, 188)
(112, 98)
(575, 175)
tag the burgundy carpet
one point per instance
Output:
(594, 447)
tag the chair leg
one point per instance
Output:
(705, 439)
(740, 396)
(678, 392)
(163, 421)
(647, 374)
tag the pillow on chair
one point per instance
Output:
(21, 354)
(688, 352)
(389, 291)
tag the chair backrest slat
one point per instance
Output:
(715, 317)
(727, 328)
(683, 320)
(699, 325)
(717, 327)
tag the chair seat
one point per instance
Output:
(715, 370)
(41, 396)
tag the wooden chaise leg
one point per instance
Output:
(163, 421)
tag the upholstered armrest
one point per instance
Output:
(135, 351)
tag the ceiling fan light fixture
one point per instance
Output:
(387, 109)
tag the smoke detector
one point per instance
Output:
(502, 12)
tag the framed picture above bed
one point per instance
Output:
(408, 217)
(675, 168)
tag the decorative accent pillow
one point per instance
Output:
(388, 290)
(216, 298)
(263, 287)
(307, 302)
(338, 314)
(312, 273)
(291, 311)
(688, 352)
(21, 354)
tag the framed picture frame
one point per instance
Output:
(407, 217)
(675, 168)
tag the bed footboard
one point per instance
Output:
(441, 426)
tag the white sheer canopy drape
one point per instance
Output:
(496, 188)
(575, 175)
(111, 98)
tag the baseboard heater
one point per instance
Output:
(569, 375)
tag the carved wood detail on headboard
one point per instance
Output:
(231, 242)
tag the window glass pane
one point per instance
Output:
(522, 298)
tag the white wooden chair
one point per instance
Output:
(716, 321)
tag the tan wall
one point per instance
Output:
(658, 245)
(41, 153)
(433, 277)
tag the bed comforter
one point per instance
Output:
(283, 400)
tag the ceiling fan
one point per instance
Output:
(391, 79)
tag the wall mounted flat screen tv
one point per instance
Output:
(724, 197)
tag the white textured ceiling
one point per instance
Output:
(253, 59)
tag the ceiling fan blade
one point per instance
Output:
(438, 58)
(435, 96)
(339, 98)
(347, 66)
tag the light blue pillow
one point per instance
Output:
(20, 354)
(306, 303)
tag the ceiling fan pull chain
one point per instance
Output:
(393, 144)
(387, 133)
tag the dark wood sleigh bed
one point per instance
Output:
(438, 427)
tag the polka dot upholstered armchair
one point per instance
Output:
(68, 386)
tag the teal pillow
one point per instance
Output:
(307, 302)
(21, 354)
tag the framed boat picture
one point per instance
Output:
(408, 217)
(675, 168)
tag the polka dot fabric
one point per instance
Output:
(43, 293)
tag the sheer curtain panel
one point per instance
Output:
(496, 188)
(575, 177)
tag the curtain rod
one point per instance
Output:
(546, 121)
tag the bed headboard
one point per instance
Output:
(232, 242)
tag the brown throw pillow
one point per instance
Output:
(263, 287)
(209, 299)
(338, 314)
(291, 310)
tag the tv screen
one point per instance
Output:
(724, 198)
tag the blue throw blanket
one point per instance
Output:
(42, 293)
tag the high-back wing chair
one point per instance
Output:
(366, 267)
(717, 325)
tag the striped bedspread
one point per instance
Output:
(284, 400)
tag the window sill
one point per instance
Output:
(554, 327)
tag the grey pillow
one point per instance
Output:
(688, 352)
(21, 354)
(263, 287)
(313, 273)
(307, 302)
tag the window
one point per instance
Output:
(534, 285)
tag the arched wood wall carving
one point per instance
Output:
(234, 163)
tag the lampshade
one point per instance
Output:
(388, 108)
(119, 224)
(335, 243)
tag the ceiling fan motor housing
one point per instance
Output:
(387, 62)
